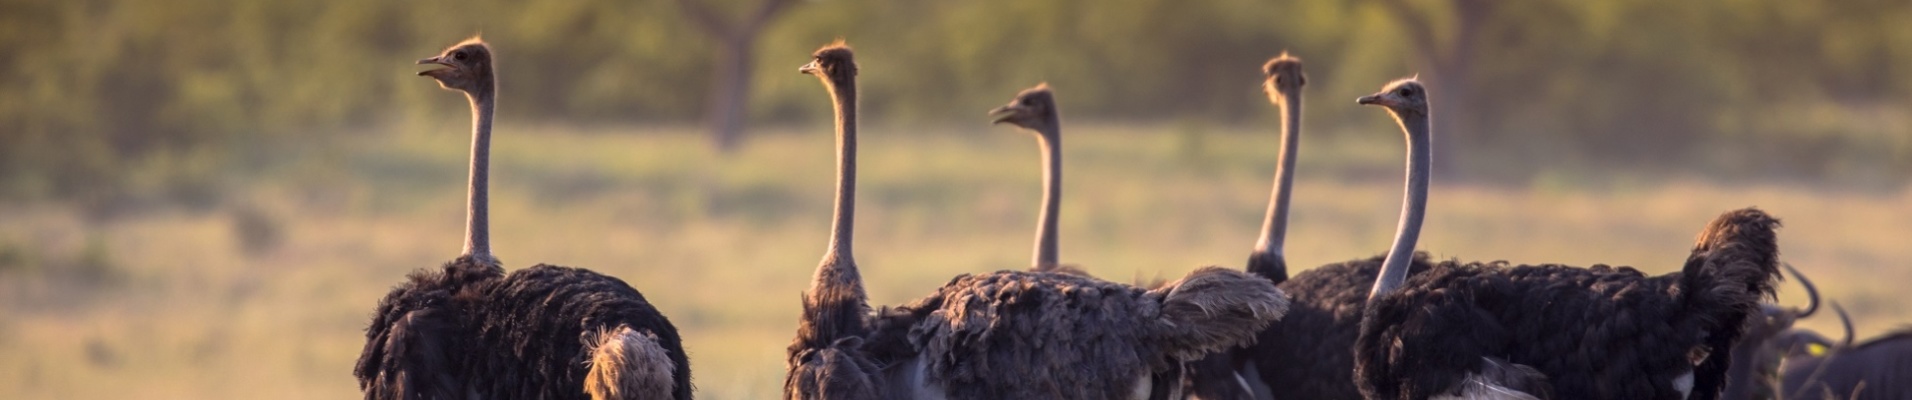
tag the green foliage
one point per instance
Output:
(92, 90)
(13, 257)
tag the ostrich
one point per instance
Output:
(468, 329)
(1754, 372)
(1234, 374)
(1007, 334)
(1490, 330)
(1035, 109)
(1305, 353)
(1283, 82)
(1817, 368)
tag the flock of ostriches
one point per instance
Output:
(1395, 326)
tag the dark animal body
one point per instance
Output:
(470, 329)
(1308, 354)
(1499, 331)
(1491, 330)
(1878, 369)
(1085, 337)
(1020, 334)
(1595, 333)
(1754, 372)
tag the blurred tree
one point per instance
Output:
(108, 103)
(1449, 55)
(730, 83)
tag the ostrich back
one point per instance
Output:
(1597, 333)
(1309, 353)
(1083, 336)
(1015, 334)
(451, 333)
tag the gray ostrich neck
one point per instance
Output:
(1050, 141)
(1413, 207)
(1274, 227)
(843, 224)
(477, 221)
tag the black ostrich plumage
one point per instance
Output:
(470, 328)
(1596, 333)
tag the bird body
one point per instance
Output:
(1308, 353)
(1083, 337)
(1554, 331)
(532, 333)
(1007, 334)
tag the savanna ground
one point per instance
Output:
(266, 291)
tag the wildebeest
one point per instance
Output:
(1879, 368)
(1754, 371)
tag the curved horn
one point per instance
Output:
(1812, 293)
(1845, 320)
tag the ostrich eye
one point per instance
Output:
(458, 55)
(1405, 92)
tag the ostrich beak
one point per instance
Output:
(1004, 114)
(1370, 100)
(434, 61)
(812, 68)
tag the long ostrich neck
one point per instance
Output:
(1050, 140)
(1413, 207)
(843, 224)
(836, 304)
(477, 221)
(1274, 227)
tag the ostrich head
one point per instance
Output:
(1284, 77)
(1033, 109)
(834, 63)
(467, 67)
(1402, 98)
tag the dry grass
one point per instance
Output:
(724, 247)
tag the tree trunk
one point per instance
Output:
(728, 112)
(1452, 109)
(729, 107)
(1451, 68)
(1457, 74)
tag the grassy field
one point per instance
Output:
(175, 303)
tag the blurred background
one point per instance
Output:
(206, 198)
